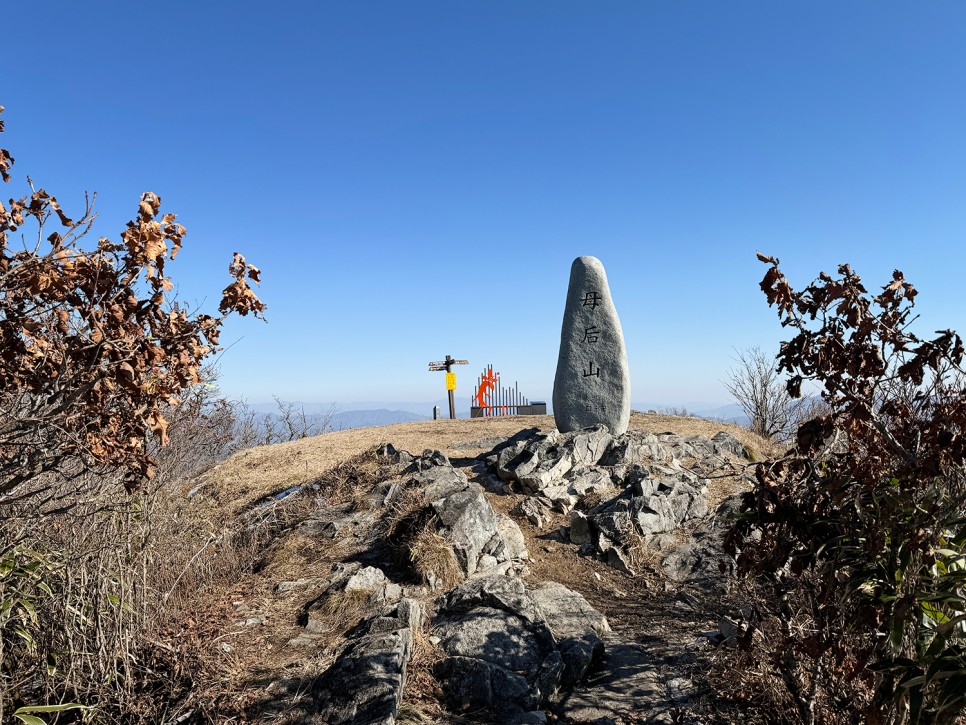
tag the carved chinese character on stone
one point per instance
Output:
(592, 385)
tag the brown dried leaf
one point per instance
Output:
(64, 219)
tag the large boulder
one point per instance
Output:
(577, 626)
(501, 651)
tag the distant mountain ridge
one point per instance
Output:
(372, 418)
(368, 414)
(730, 413)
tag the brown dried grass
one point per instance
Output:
(343, 610)
(421, 698)
(432, 559)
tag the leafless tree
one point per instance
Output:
(761, 391)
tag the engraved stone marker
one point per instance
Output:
(593, 384)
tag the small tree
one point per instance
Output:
(92, 353)
(758, 387)
(859, 530)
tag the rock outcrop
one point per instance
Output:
(643, 488)
(460, 514)
(364, 686)
(511, 650)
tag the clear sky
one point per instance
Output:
(415, 178)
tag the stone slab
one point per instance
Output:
(592, 385)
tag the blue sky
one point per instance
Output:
(415, 178)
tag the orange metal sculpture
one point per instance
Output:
(488, 383)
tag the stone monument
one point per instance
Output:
(593, 384)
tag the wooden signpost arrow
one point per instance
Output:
(447, 365)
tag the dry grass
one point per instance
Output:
(253, 474)
(349, 478)
(411, 529)
(403, 515)
(432, 559)
(343, 610)
(421, 698)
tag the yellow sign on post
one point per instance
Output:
(450, 379)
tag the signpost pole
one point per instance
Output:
(452, 399)
(447, 365)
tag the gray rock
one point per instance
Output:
(486, 564)
(388, 450)
(649, 506)
(336, 522)
(371, 588)
(496, 592)
(497, 637)
(702, 561)
(580, 531)
(440, 481)
(592, 384)
(429, 459)
(501, 642)
(534, 509)
(618, 559)
(593, 479)
(470, 523)
(589, 444)
(544, 460)
(546, 472)
(576, 625)
(560, 498)
(729, 628)
(635, 447)
(365, 684)
(514, 546)
(465, 519)
(512, 459)
(727, 443)
(566, 612)
(371, 579)
(612, 520)
(579, 655)
(626, 686)
(471, 683)
(367, 578)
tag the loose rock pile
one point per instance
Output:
(646, 488)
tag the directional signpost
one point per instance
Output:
(447, 365)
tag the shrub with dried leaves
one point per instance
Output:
(91, 350)
(857, 534)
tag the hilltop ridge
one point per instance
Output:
(291, 623)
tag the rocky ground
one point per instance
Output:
(499, 572)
